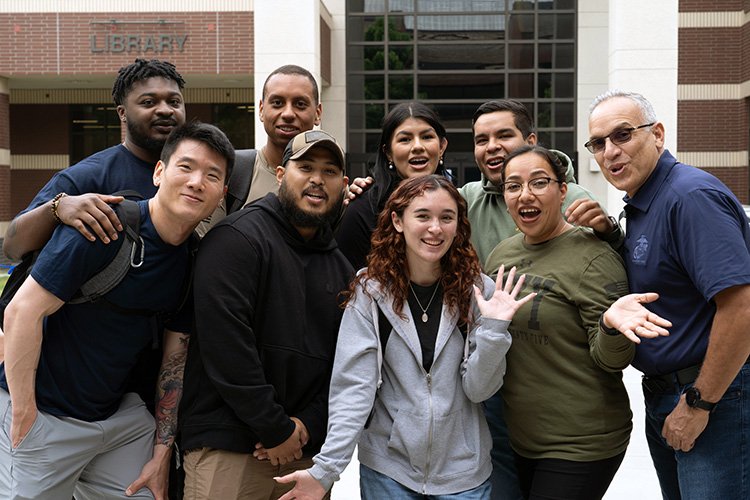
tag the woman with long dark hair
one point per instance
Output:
(422, 433)
(412, 143)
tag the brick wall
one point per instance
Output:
(39, 129)
(216, 42)
(712, 5)
(706, 125)
(734, 178)
(26, 184)
(710, 55)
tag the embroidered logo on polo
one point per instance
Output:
(640, 252)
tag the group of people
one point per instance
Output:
(311, 332)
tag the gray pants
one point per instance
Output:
(62, 456)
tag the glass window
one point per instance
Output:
(461, 86)
(456, 116)
(375, 87)
(460, 27)
(521, 56)
(457, 56)
(461, 5)
(237, 121)
(366, 5)
(520, 85)
(401, 87)
(366, 29)
(401, 57)
(556, 56)
(521, 27)
(556, 26)
(93, 127)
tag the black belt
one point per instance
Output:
(668, 382)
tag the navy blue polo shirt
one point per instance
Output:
(687, 239)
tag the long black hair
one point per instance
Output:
(387, 179)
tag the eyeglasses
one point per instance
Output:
(537, 186)
(619, 136)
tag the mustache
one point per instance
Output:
(164, 122)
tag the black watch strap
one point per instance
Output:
(693, 400)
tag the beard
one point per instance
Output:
(139, 137)
(302, 218)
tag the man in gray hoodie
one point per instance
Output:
(499, 128)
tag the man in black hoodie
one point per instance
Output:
(267, 317)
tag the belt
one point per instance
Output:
(669, 381)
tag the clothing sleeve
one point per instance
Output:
(709, 235)
(602, 283)
(482, 373)
(353, 387)
(225, 298)
(61, 182)
(68, 260)
(355, 232)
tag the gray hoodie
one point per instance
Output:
(427, 431)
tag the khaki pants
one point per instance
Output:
(224, 475)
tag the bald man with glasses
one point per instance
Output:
(688, 240)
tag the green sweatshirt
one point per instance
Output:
(563, 395)
(490, 221)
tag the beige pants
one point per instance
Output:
(225, 475)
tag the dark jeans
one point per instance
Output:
(556, 479)
(719, 464)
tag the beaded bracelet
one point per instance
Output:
(55, 202)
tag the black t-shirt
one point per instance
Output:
(430, 298)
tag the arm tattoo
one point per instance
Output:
(12, 229)
(169, 393)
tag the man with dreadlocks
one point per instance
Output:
(148, 95)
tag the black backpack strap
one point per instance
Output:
(130, 254)
(129, 193)
(241, 178)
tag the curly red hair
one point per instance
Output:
(387, 264)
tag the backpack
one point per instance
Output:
(241, 178)
(131, 253)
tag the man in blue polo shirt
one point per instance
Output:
(69, 425)
(687, 239)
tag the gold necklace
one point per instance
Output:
(424, 309)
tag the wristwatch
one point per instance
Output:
(693, 400)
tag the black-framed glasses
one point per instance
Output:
(537, 186)
(619, 136)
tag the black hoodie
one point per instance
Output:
(266, 323)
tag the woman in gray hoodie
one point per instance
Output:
(410, 398)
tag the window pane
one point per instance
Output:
(468, 27)
(556, 26)
(520, 85)
(460, 56)
(366, 5)
(564, 142)
(564, 114)
(375, 87)
(452, 86)
(461, 5)
(401, 57)
(564, 85)
(368, 28)
(400, 5)
(521, 27)
(521, 56)
(544, 117)
(457, 116)
(236, 120)
(401, 87)
(557, 56)
(356, 120)
(374, 114)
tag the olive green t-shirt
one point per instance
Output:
(563, 393)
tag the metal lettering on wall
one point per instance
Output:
(137, 43)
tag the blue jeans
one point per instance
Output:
(719, 464)
(504, 479)
(376, 486)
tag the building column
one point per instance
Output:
(274, 22)
(5, 212)
(641, 57)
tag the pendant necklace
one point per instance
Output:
(424, 309)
